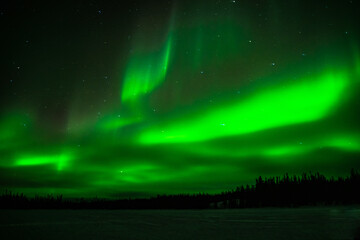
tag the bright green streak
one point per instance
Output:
(61, 160)
(345, 143)
(167, 56)
(306, 101)
(145, 72)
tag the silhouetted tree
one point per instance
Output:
(286, 191)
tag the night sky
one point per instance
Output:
(138, 98)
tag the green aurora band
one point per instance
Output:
(210, 98)
(59, 160)
(272, 108)
(145, 71)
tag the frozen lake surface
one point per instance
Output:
(301, 223)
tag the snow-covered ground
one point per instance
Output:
(302, 223)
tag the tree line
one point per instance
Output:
(309, 189)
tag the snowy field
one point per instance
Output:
(302, 223)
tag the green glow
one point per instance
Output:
(145, 72)
(116, 123)
(60, 160)
(356, 59)
(282, 151)
(140, 173)
(14, 125)
(309, 100)
(167, 57)
(357, 64)
(146, 173)
(194, 96)
(343, 142)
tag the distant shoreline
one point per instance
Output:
(280, 191)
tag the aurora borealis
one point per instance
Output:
(138, 98)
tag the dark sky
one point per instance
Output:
(135, 98)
